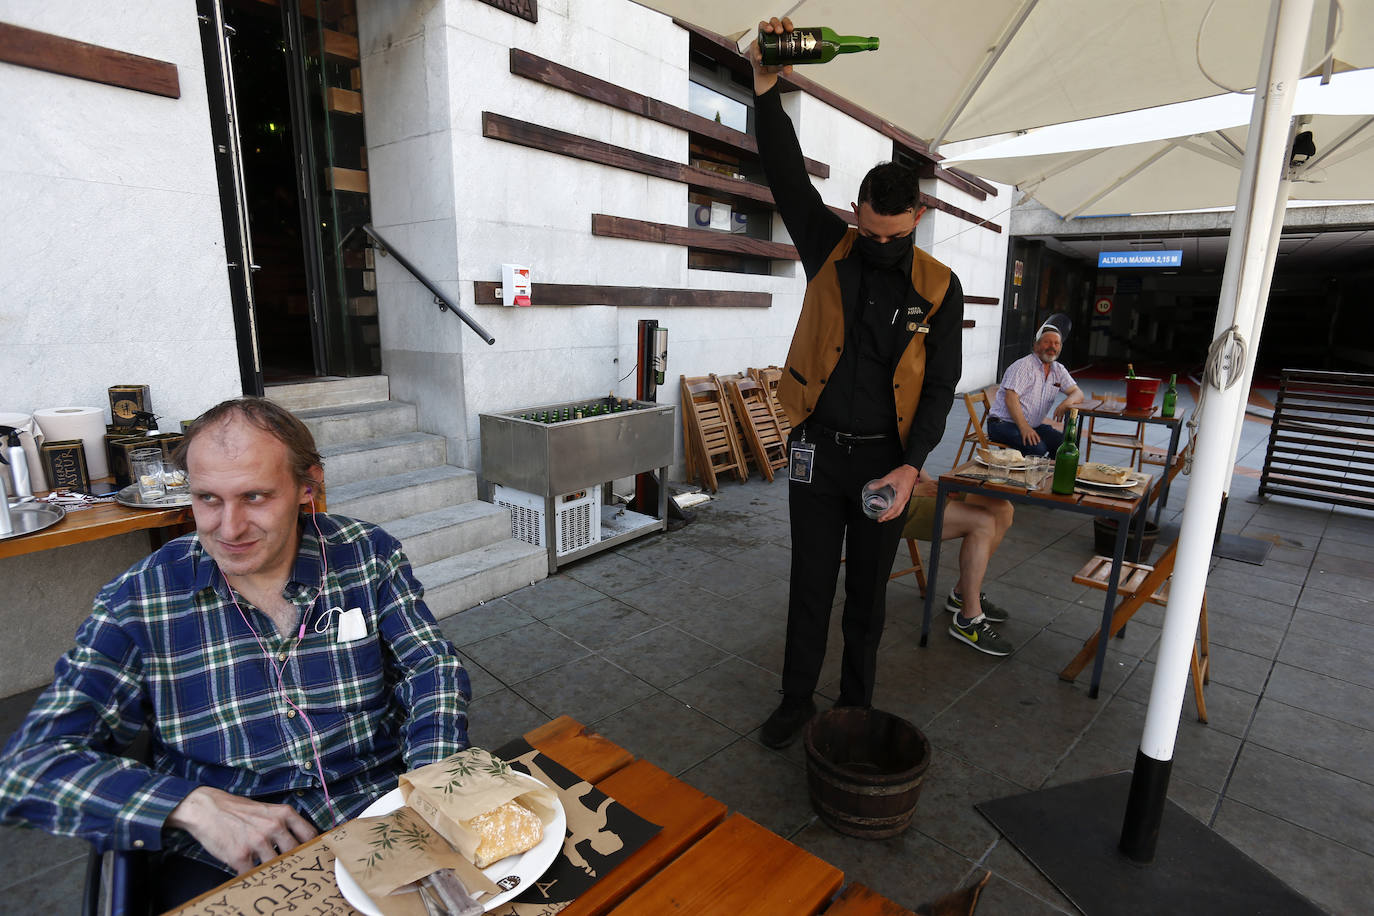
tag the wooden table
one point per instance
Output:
(1116, 411)
(704, 860)
(101, 520)
(968, 478)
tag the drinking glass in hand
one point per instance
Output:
(875, 499)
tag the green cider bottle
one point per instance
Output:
(1066, 459)
(1170, 397)
(810, 45)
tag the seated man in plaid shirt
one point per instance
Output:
(282, 660)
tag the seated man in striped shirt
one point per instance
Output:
(1028, 391)
(282, 661)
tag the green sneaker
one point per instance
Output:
(992, 612)
(981, 636)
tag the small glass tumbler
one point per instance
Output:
(174, 479)
(146, 470)
(1039, 470)
(875, 499)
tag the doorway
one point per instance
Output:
(285, 99)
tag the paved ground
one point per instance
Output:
(672, 647)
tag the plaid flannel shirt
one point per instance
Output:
(165, 647)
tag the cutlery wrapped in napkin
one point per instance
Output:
(482, 806)
(387, 855)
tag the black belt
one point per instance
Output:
(847, 440)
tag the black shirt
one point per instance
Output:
(867, 405)
(858, 397)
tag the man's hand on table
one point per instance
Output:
(902, 479)
(238, 831)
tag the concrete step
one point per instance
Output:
(355, 422)
(382, 499)
(329, 392)
(458, 583)
(349, 462)
(443, 533)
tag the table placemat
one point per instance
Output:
(601, 834)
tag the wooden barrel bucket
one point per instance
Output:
(864, 768)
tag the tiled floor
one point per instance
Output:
(672, 646)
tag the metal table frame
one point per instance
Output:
(1125, 512)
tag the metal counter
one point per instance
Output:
(554, 461)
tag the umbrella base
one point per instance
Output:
(1071, 832)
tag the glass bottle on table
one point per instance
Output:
(1170, 397)
(1066, 459)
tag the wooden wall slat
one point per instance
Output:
(542, 70)
(945, 206)
(621, 227)
(79, 59)
(484, 293)
(981, 300)
(536, 136)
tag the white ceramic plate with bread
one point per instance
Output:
(522, 869)
(1006, 459)
(1106, 475)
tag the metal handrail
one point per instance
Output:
(444, 302)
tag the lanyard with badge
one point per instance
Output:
(801, 459)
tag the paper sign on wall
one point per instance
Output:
(515, 284)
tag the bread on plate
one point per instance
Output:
(1095, 472)
(1002, 457)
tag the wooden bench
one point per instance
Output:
(1321, 441)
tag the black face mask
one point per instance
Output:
(884, 254)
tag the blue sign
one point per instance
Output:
(1140, 258)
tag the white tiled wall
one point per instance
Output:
(113, 247)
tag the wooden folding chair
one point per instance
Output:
(769, 377)
(915, 568)
(709, 431)
(1132, 442)
(762, 432)
(1141, 583)
(978, 403)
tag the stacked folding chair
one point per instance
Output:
(768, 377)
(762, 432)
(708, 432)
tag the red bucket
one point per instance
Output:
(1140, 393)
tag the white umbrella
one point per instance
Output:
(950, 71)
(1196, 166)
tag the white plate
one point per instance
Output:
(527, 866)
(1114, 486)
(1001, 467)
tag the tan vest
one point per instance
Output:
(819, 338)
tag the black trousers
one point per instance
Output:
(827, 523)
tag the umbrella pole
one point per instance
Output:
(1247, 269)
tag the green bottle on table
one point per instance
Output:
(810, 45)
(1170, 397)
(1066, 459)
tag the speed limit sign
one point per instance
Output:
(1103, 306)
